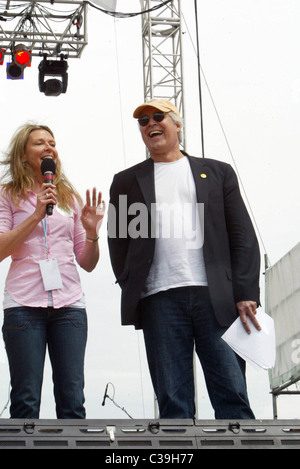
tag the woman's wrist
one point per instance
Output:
(92, 239)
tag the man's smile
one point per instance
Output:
(154, 133)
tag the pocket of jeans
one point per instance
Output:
(16, 319)
(77, 317)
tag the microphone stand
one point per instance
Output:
(112, 400)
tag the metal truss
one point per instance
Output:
(43, 27)
(162, 52)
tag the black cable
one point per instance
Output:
(199, 79)
(129, 15)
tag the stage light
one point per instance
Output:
(53, 68)
(14, 72)
(21, 58)
(2, 55)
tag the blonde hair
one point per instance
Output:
(17, 178)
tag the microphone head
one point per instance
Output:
(48, 165)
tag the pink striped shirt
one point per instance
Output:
(65, 240)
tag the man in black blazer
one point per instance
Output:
(186, 287)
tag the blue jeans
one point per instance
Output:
(27, 332)
(173, 322)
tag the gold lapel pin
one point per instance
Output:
(203, 175)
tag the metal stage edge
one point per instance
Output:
(153, 435)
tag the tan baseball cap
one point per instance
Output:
(162, 104)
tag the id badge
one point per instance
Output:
(50, 274)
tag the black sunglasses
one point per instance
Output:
(158, 116)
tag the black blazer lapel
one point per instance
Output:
(145, 178)
(200, 171)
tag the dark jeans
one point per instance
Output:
(173, 322)
(26, 333)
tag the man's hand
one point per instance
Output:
(247, 309)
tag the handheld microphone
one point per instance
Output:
(105, 395)
(48, 168)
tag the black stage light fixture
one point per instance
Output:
(21, 58)
(53, 68)
(14, 72)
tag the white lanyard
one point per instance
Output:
(44, 225)
(49, 267)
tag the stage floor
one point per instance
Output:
(154, 435)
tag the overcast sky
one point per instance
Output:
(251, 77)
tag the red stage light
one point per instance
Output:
(2, 55)
(22, 56)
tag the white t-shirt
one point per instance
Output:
(178, 257)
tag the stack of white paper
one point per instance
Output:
(257, 348)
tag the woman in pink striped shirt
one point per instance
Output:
(43, 299)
